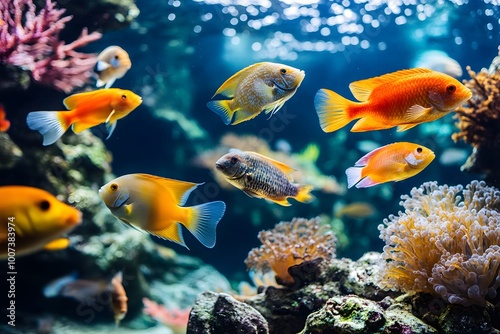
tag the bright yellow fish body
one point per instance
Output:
(393, 162)
(154, 204)
(262, 177)
(260, 87)
(36, 218)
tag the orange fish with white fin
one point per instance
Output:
(85, 111)
(404, 99)
(33, 219)
(4, 123)
(155, 204)
(393, 162)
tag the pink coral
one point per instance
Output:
(175, 319)
(30, 40)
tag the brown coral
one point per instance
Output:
(445, 243)
(479, 121)
(290, 244)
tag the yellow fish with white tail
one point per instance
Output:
(260, 87)
(262, 177)
(393, 162)
(112, 63)
(155, 204)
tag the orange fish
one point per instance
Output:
(4, 123)
(154, 204)
(118, 298)
(85, 111)
(256, 88)
(32, 219)
(393, 162)
(404, 99)
(112, 63)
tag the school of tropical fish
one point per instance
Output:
(156, 205)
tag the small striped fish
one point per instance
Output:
(262, 177)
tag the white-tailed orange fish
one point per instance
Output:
(404, 99)
(256, 88)
(85, 111)
(4, 123)
(155, 204)
(393, 162)
(262, 177)
(112, 63)
(33, 219)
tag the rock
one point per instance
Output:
(216, 313)
(10, 153)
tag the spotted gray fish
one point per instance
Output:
(262, 177)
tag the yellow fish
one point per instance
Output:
(85, 111)
(393, 162)
(262, 177)
(357, 210)
(112, 63)
(404, 99)
(256, 88)
(155, 204)
(33, 219)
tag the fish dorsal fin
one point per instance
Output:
(229, 86)
(281, 166)
(363, 88)
(180, 190)
(367, 157)
(71, 102)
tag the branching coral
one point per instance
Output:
(445, 244)
(30, 40)
(289, 244)
(479, 121)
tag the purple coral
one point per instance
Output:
(30, 40)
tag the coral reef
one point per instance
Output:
(30, 41)
(175, 319)
(290, 244)
(446, 243)
(478, 124)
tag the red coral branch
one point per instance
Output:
(31, 41)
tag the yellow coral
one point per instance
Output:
(445, 245)
(289, 244)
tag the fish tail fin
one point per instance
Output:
(51, 124)
(222, 108)
(203, 219)
(304, 194)
(331, 109)
(354, 175)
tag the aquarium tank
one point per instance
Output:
(242, 166)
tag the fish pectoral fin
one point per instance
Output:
(362, 89)
(367, 124)
(416, 113)
(281, 166)
(228, 88)
(101, 66)
(180, 190)
(110, 115)
(58, 244)
(251, 193)
(173, 233)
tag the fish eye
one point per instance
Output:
(234, 160)
(124, 97)
(451, 88)
(283, 71)
(419, 150)
(44, 205)
(113, 187)
(116, 57)
(249, 178)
